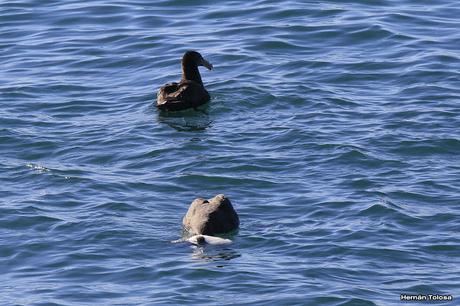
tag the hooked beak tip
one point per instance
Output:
(207, 65)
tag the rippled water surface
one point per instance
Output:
(333, 128)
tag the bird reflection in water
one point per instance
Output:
(189, 120)
(214, 253)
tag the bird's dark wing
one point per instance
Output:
(184, 95)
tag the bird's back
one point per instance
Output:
(178, 96)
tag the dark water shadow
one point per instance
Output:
(187, 120)
(214, 253)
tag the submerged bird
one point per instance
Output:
(190, 91)
(206, 239)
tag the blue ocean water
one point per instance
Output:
(334, 128)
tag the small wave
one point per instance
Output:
(427, 147)
(24, 222)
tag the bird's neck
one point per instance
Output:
(190, 72)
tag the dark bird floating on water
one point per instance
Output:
(190, 91)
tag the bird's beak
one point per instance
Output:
(206, 64)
